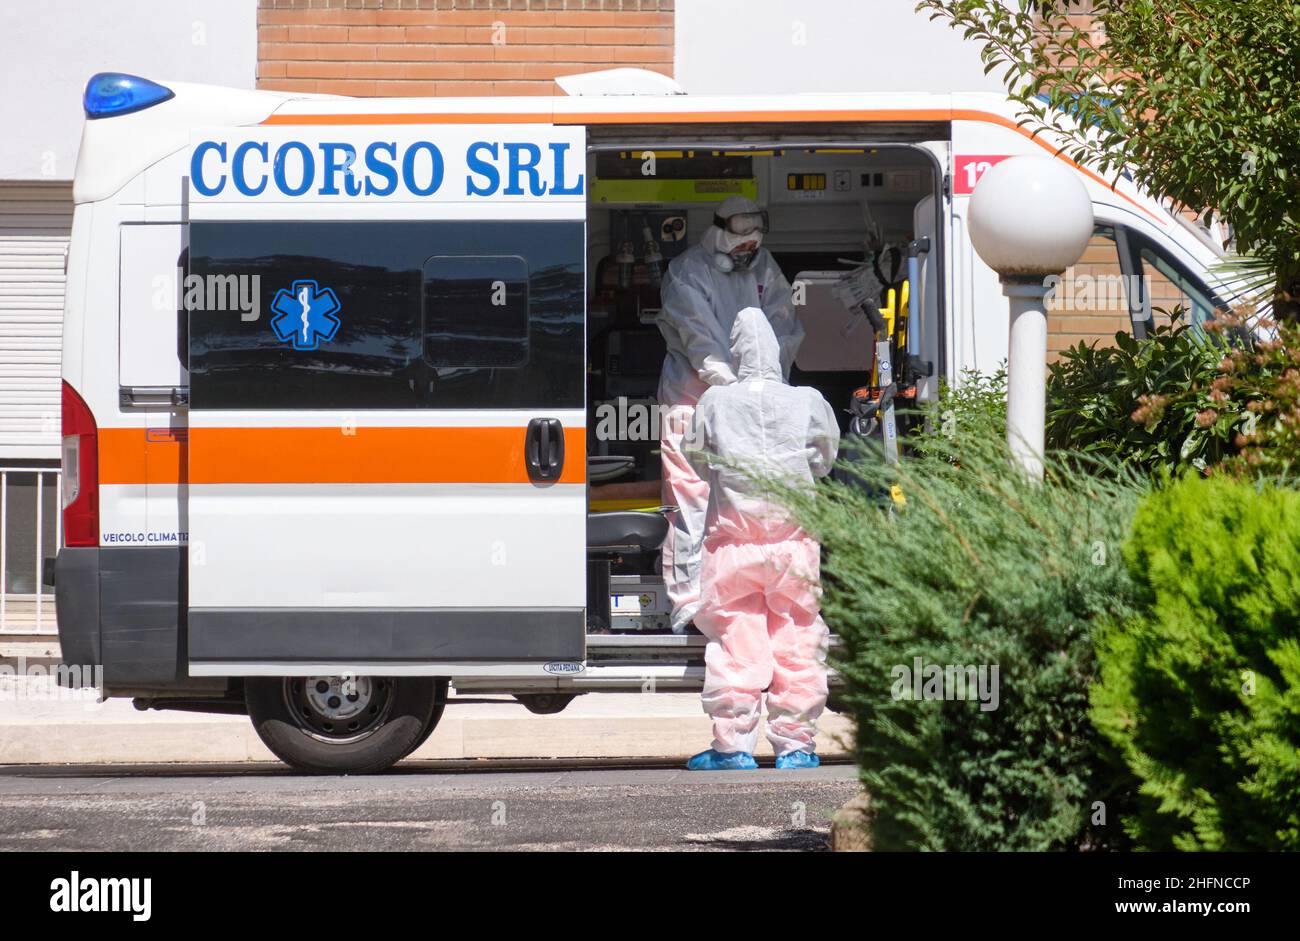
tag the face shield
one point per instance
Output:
(742, 223)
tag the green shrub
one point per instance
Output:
(1200, 692)
(1143, 402)
(980, 567)
(1262, 383)
(973, 408)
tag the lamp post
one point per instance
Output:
(1030, 218)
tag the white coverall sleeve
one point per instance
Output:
(685, 320)
(778, 304)
(697, 443)
(823, 435)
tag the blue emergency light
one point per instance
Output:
(113, 93)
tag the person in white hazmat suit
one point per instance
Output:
(704, 289)
(760, 584)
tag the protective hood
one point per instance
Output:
(736, 204)
(754, 348)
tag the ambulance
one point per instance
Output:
(358, 394)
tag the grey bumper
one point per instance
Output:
(123, 608)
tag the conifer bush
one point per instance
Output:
(1200, 689)
(980, 568)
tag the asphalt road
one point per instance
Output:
(485, 805)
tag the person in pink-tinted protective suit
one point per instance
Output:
(759, 582)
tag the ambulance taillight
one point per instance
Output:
(80, 471)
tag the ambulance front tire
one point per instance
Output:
(321, 726)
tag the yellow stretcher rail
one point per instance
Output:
(893, 304)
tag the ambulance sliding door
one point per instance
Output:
(387, 464)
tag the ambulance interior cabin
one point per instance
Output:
(646, 206)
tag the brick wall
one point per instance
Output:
(454, 47)
(1092, 301)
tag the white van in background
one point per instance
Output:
(334, 373)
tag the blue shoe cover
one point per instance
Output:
(798, 759)
(722, 761)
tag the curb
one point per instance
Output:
(512, 732)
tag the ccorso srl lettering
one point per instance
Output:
(336, 169)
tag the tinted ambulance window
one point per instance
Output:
(369, 315)
(1168, 285)
(475, 311)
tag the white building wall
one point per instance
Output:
(48, 48)
(771, 46)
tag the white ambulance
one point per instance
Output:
(357, 393)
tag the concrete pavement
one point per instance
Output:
(40, 724)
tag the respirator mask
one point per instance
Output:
(737, 252)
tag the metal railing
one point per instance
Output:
(26, 602)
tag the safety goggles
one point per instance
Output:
(743, 223)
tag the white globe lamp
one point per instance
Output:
(1030, 218)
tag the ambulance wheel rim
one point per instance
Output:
(339, 709)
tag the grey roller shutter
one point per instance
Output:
(35, 224)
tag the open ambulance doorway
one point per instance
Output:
(835, 209)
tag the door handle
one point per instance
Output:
(544, 449)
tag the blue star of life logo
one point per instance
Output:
(305, 315)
